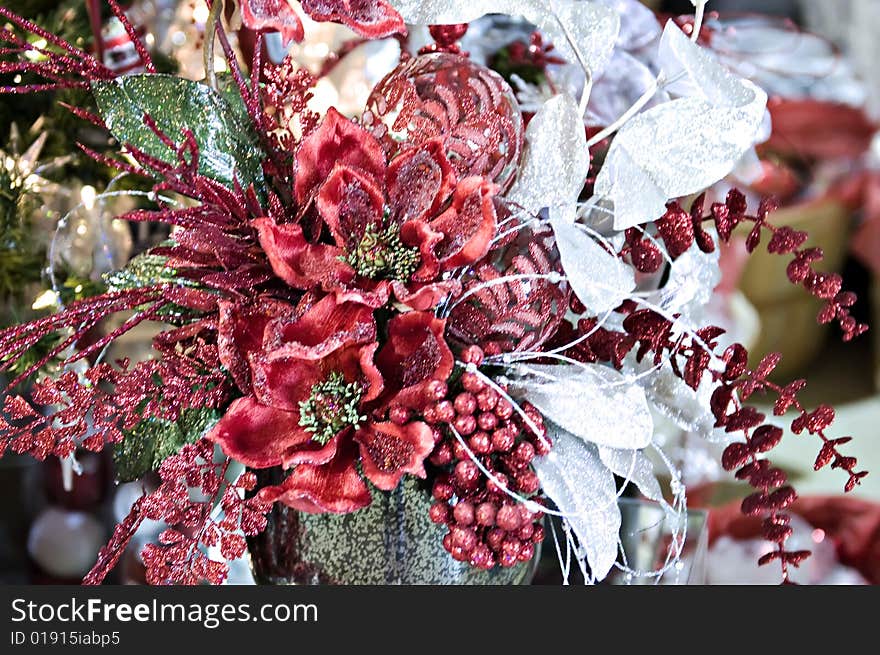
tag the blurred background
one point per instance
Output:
(817, 61)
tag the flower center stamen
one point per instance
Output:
(332, 406)
(381, 254)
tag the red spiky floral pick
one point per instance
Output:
(349, 302)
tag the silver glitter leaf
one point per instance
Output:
(685, 145)
(591, 26)
(638, 24)
(573, 476)
(692, 281)
(595, 403)
(693, 71)
(668, 395)
(635, 467)
(600, 280)
(556, 161)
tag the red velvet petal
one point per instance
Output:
(372, 293)
(336, 141)
(418, 234)
(284, 382)
(240, 331)
(468, 225)
(414, 354)
(301, 264)
(422, 297)
(334, 487)
(273, 15)
(325, 327)
(419, 181)
(373, 19)
(256, 435)
(370, 376)
(389, 451)
(348, 202)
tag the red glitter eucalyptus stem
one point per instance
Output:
(689, 360)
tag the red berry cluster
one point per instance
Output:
(486, 526)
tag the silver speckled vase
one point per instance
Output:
(393, 541)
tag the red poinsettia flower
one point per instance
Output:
(387, 228)
(316, 394)
(372, 19)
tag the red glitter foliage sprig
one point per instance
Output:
(679, 229)
(690, 356)
(95, 413)
(179, 557)
(60, 64)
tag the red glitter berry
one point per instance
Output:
(464, 513)
(399, 415)
(444, 411)
(472, 383)
(524, 452)
(538, 534)
(463, 538)
(494, 538)
(526, 532)
(481, 557)
(465, 403)
(487, 400)
(481, 443)
(487, 421)
(527, 482)
(526, 552)
(472, 355)
(508, 518)
(442, 455)
(498, 485)
(503, 410)
(436, 390)
(465, 425)
(466, 474)
(486, 514)
(502, 440)
(443, 490)
(459, 452)
(439, 512)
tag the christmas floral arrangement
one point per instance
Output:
(489, 292)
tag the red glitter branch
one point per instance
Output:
(688, 357)
(109, 555)
(178, 557)
(679, 229)
(96, 411)
(135, 38)
(72, 68)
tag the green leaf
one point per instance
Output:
(227, 148)
(152, 440)
(229, 90)
(143, 270)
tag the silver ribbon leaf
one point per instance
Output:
(668, 395)
(638, 24)
(573, 476)
(556, 161)
(595, 403)
(692, 281)
(592, 27)
(600, 280)
(685, 145)
(633, 466)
